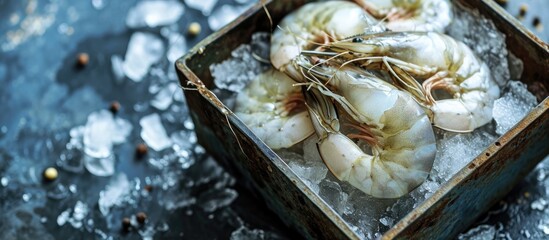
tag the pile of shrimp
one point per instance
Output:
(386, 70)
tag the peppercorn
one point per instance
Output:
(114, 107)
(82, 60)
(141, 150)
(50, 174)
(141, 217)
(194, 29)
(126, 224)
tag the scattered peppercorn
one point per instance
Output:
(50, 174)
(148, 188)
(537, 24)
(126, 224)
(141, 217)
(114, 107)
(523, 9)
(82, 60)
(141, 150)
(194, 29)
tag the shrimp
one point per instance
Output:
(442, 62)
(411, 15)
(396, 128)
(316, 22)
(274, 110)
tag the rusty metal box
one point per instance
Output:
(450, 210)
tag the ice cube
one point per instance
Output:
(144, 50)
(205, 6)
(482, 232)
(154, 13)
(101, 167)
(215, 199)
(102, 131)
(153, 133)
(178, 47)
(164, 97)
(224, 15)
(512, 106)
(114, 192)
(314, 172)
(332, 193)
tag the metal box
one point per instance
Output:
(450, 210)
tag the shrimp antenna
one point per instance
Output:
(264, 5)
(208, 94)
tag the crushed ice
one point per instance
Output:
(113, 194)
(233, 74)
(513, 105)
(482, 36)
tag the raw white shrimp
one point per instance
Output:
(441, 61)
(411, 15)
(274, 110)
(391, 122)
(316, 22)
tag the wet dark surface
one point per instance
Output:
(44, 95)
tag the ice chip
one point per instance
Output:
(102, 131)
(117, 188)
(164, 98)
(154, 13)
(80, 211)
(244, 233)
(235, 73)
(482, 36)
(144, 50)
(178, 47)
(101, 167)
(117, 65)
(456, 151)
(63, 217)
(205, 6)
(98, 4)
(512, 106)
(314, 172)
(482, 232)
(147, 233)
(153, 133)
(215, 199)
(332, 193)
(224, 15)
